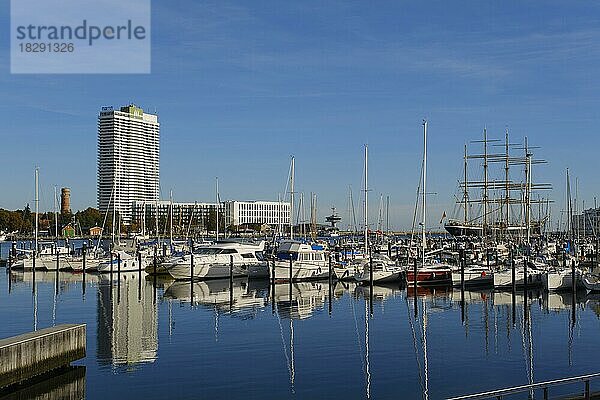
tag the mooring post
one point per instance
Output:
(525, 265)
(574, 291)
(273, 287)
(330, 272)
(57, 266)
(191, 259)
(9, 274)
(389, 248)
(111, 262)
(415, 275)
(514, 272)
(330, 296)
(33, 269)
(573, 280)
(119, 265)
(463, 261)
(139, 260)
(164, 250)
(545, 393)
(290, 283)
(191, 272)
(154, 277)
(371, 269)
(397, 257)
(596, 253)
(83, 248)
(230, 283)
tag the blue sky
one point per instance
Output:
(239, 87)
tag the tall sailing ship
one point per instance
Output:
(504, 205)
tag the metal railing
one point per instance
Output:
(500, 393)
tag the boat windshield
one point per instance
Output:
(208, 251)
(287, 255)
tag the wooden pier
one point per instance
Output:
(32, 354)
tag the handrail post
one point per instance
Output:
(587, 389)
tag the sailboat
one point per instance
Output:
(428, 272)
(384, 270)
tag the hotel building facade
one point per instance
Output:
(128, 159)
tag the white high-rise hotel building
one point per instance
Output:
(128, 159)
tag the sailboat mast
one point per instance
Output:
(424, 199)
(577, 210)
(217, 207)
(366, 216)
(171, 218)
(387, 214)
(55, 218)
(144, 219)
(280, 217)
(114, 215)
(292, 199)
(569, 227)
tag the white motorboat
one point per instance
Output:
(218, 261)
(384, 270)
(306, 262)
(474, 275)
(128, 263)
(591, 282)
(503, 278)
(561, 279)
(345, 271)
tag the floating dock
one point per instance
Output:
(32, 354)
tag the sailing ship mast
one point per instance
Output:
(485, 182)
(507, 181)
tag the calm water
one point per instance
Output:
(205, 341)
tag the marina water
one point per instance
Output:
(221, 339)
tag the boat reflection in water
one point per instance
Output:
(301, 299)
(248, 297)
(66, 383)
(127, 328)
(239, 295)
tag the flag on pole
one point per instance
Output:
(443, 216)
